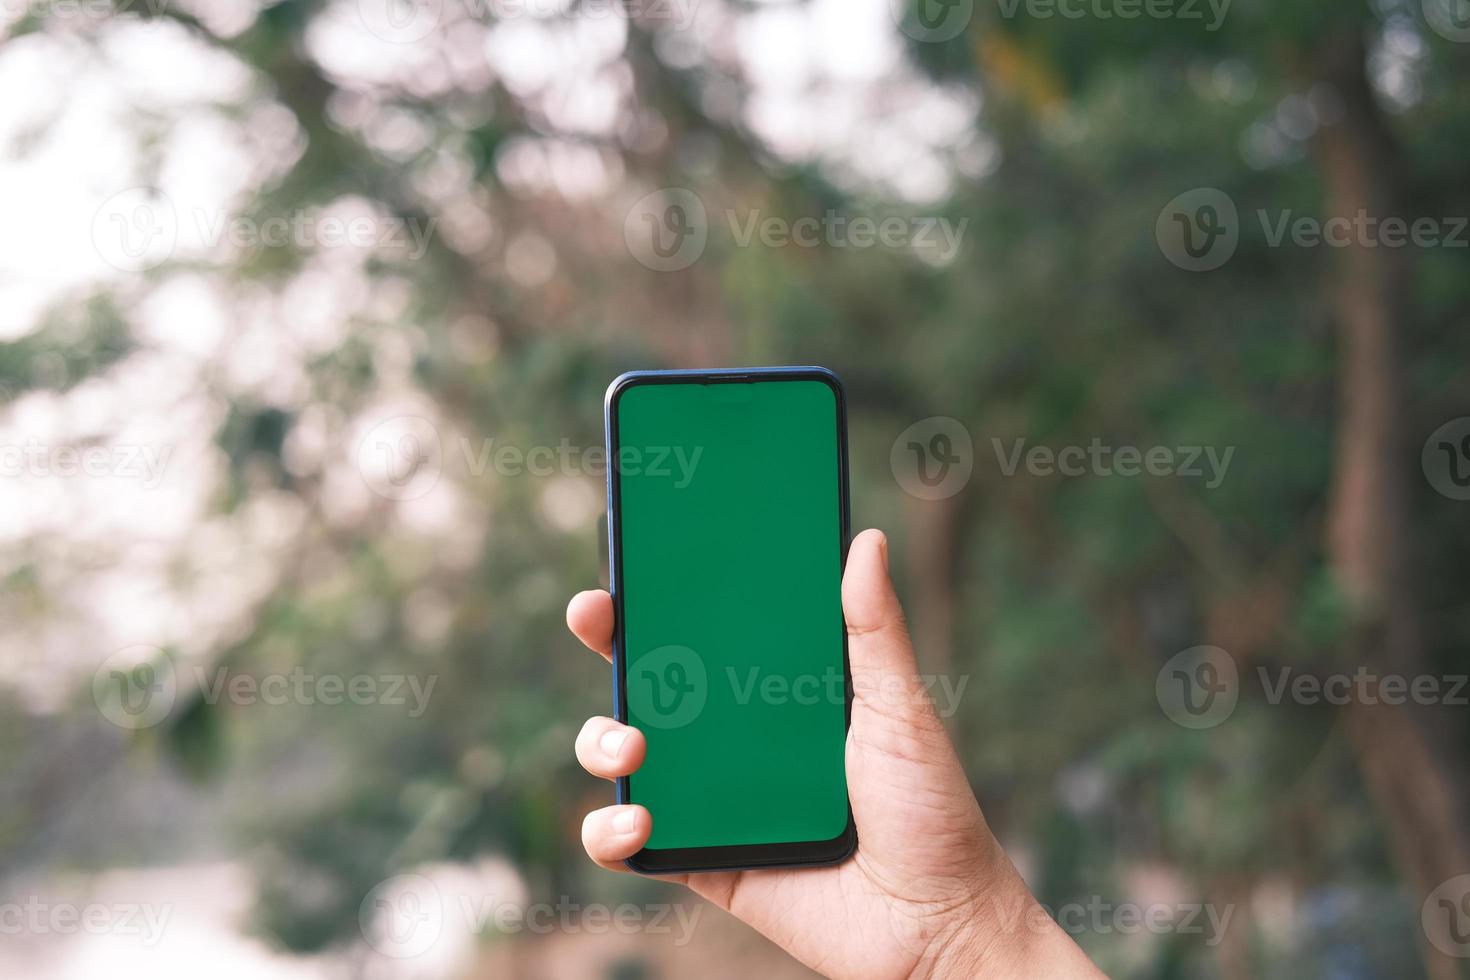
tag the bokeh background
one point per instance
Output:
(306, 312)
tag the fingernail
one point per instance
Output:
(625, 821)
(612, 742)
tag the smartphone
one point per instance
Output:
(728, 529)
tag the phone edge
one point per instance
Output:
(848, 838)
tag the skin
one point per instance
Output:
(929, 892)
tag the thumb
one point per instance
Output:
(879, 650)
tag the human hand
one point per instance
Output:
(929, 891)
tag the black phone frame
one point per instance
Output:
(730, 857)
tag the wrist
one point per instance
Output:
(1003, 932)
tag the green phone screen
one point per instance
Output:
(731, 542)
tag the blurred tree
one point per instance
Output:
(1059, 322)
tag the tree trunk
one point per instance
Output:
(933, 554)
(1369, 526)
(936, 533)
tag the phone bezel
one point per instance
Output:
(736, 857)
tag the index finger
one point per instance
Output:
(590, 618)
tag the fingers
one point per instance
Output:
(877, 636)
(608, 749)
(885, 674)
(615, 833)
(590, 618)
